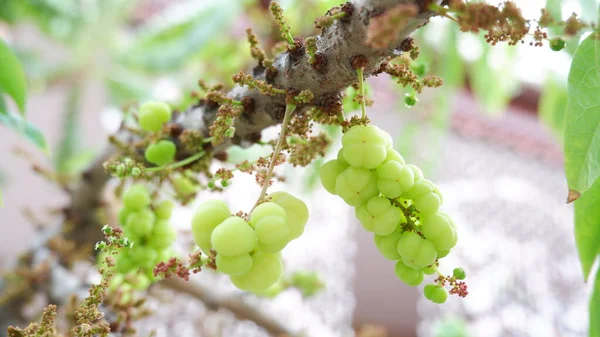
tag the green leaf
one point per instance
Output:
(582, 120)
(165, 45)
(554, 8)
(70, 141)
(12, 77)
(595, 308)
(587, 228)
(493, 83)
(23, 127)
(553, 105)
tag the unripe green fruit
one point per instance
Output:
(364, 146)
(459, 273)
(329, 173)
(153, 115)
(136, 197)
(163, 235)
(393, 155)
(124, 264)
(164, 209)
(143, 256)
(140, 223)
(429, 270)
(557, 44)
(415, 251)
(233, 236)
(435, 293)
(204, 220)
(408, 275)
(443, 253)
(419, 188)
(410, 100)
(234, 265)
(123, 214)
(140, 282)
(393, 179)
(428, 203)
(296, 210)
(266, 270)
(388, 245)
(438, 229)
(266, 209)
(183, 186)
(160, 153)
(340, 158)
(272, 233)
(378, 215)
(356, 186)
(417, 173)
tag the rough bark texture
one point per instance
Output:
(337, 46)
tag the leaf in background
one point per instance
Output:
(28, 130)
(491, 78)
(553, 105)
(12, 76)
(178, 35)
(587, 228)
(70, 142)
(554, 8)
(78, 162)
(125, 85)
(582, 120)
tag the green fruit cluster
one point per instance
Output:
(393, 200)
(148, 227)
(249, 251)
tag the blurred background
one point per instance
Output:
(490, 137)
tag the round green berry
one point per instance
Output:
(234, 265)
(136, 197)
(388, 245)
(364, 146)
(329, 173)
(459, 273)
(438, 229)
(557, 44)
(410, 100)
(415, 251)
(408, 275)
(164, 209)
(153, 115)
(378, 216)
(356, 186)
(160, 153)
(141, 222)
(233, 236)
(435, 293)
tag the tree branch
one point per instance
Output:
(338, 46)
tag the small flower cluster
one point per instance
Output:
(174, 266)
(406, 77)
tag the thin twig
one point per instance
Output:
(234, 304)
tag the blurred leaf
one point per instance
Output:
(58, 18)
(452, 69)
(71, 140)
(125, 85)
(587, 227)
(23, 127)
(554, 8)
(553, 105)
(313, 175)
(237, 154)
(582, 119)
(165, 44)
(595, 308)
(492, 81)
(12, 76)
